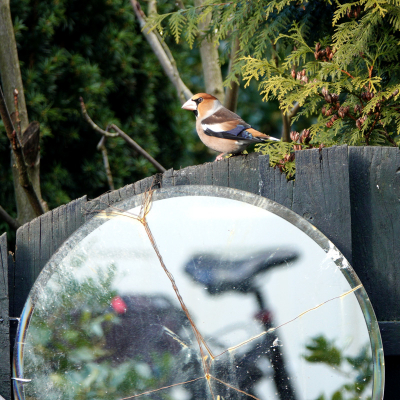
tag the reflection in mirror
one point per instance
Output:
(200, 297)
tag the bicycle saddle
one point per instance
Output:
(222, 275)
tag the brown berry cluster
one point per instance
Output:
(360, 121)
(334, 108)
(354, 12)
(366, 97)
(323, 54)
(303, 138)
(300, 76)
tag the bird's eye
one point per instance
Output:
(199, 100)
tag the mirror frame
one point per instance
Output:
(210, 191)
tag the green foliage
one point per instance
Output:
(358, 369)
(75, 361)
(338, 60)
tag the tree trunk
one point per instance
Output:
(210, 62)
(232, 92)
(11, 79)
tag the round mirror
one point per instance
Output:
(198, 292)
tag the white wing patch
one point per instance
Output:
(213, 127)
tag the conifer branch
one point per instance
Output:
(389, 138)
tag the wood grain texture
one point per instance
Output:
(5, 367)
(244, 173)
(221, 173)
(321, 193)
(273, 184)
(375, 214)
(37, 241)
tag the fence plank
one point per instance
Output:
(375, 214)
(221, 173)
(5, 367)
(273, 184)
(38, 240)
(321, 193)
(243, 173)
(204, 174)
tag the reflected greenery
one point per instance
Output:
(358, 369)
(72, 357)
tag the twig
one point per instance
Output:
(102, 147)
(92, 124)
(351, 76)
(169, 67)
(367, 136)
(136, 147)
(121, 134)
(24, 179)
(13, 223)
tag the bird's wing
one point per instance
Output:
(225, 124)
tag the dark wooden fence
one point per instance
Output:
(351, 194)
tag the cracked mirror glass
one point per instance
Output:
(198, 293)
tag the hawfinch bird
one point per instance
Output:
(221, 129)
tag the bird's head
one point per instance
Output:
(201, 103)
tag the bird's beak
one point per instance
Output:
(190, 105)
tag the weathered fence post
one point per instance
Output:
(5, 369)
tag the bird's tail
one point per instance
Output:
(262, 136)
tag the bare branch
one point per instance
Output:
(92, 124)
(294, 110)
(139, 149)
(23, 175)
(166, 62)
(5, 115)
(285, 127)
(13, 223)
(232, 92)
(285, 117)
(210, 61)
(123, 135)
(102, 147)
(152, 7)
(17, 119)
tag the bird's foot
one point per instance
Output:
(220, 157)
